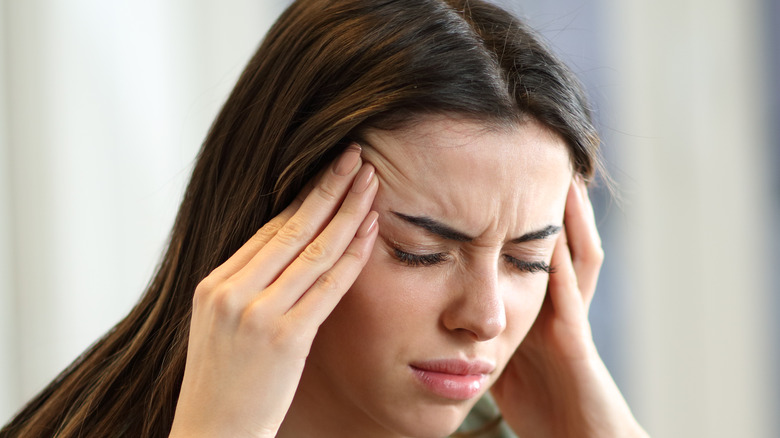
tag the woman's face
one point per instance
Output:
(468, 217)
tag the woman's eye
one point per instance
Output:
(529, 267)
(419, 259)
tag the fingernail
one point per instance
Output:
(368, 225)
(363, 178)
(348, 160)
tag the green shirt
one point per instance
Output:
(484, 412)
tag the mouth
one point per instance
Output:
(453, 379)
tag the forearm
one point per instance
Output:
(583, 401)
(600, 409)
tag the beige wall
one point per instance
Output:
(8, 339)
(692, 105)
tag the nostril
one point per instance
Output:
(491, 327)
(479, 319)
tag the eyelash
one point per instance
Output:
(436, 258)
(420, 259)
(530, 267)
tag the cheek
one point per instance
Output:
(386, 306)
(523, 304)
(387, 293)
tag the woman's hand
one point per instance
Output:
(254, 317)
(556, 385)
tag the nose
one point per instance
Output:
(476, 307)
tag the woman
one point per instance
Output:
(416, 170)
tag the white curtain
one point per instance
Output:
(104, 108)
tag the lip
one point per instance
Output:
(453, 379)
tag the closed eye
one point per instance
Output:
(436, 258)
(419, 259)
(529, 267)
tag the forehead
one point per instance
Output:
(463, 171)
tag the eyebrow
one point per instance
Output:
(435, 227)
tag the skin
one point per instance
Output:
(310, 328)
(474, 305)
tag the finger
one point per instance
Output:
(311, 218)
(320, 300)
(321, 255)
(248, 250)
(307, 188)
(583, 239)
(562, 287)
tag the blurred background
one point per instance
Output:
(103, 106)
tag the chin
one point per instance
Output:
(432, 421)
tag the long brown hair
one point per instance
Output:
(326, 70)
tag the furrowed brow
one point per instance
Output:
(544, 233)
(435, 227)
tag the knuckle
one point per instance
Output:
(316, 251)
(597, 254)
(292, 233)
(278, 333)
(593, 256)
(328, 191)
(256, 321)
(327, 283)
(267, 231)
(357, 254)
(203, 290)
(289, 335)
(224, 300)
(353, 209)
